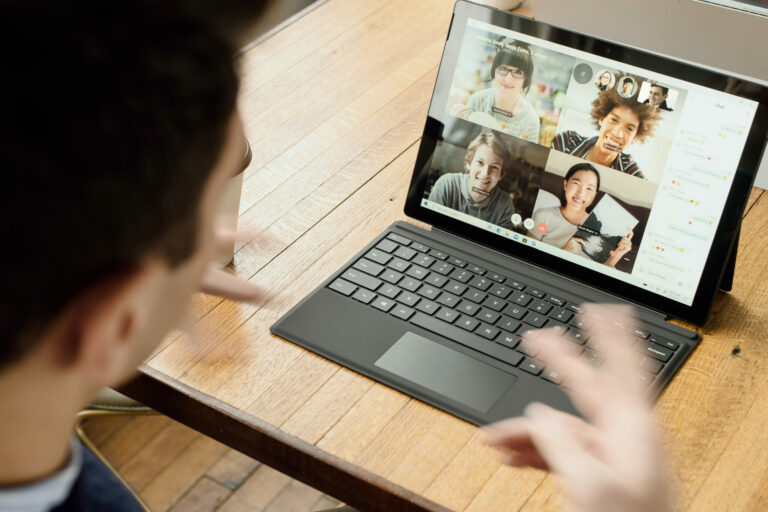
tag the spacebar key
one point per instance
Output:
(468, 340)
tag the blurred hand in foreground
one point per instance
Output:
(611, 460)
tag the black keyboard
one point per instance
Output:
(476, 307)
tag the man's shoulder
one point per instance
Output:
(567, 139)
(98, 489)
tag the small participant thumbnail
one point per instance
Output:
(658, 96)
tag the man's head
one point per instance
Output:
(486, 161)
(622, 120)
(119, 131)
(657, 95)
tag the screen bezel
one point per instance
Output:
(735, 204)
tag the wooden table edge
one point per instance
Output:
(269, 445)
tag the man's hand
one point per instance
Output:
(612, 461)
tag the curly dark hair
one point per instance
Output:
(609, 99)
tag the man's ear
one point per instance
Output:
(102, 323)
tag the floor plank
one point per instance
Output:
(175, 469)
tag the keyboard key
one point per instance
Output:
(399, 239)
(457, 262)
(429, 291)
(578, 336)
(535, 319)
(531, 366)
(387, 246)
(455, 287)
(427, 306)
(536, 293)
(448, 299)
(561, 315)
(369, 267)
(419, 247)
(436, 279)
(401, 311)
(398, 264)
(641, 333)
(468, 308)
(378, 256)
(467, 323)
(494, 303)
(408, 298)
(383, 303)
(446, 314)
(343, 287)
(417, 272)
(664, 342)
(528, 349)
(364, 296)
(514, 283)
(592, 357)
(405, 253)
(515, 311)
(500, 290)
(361, 279)
(466, 338)
(520, 298)
(475, 295)
(524, 328)
(488, 315)
(559, 327)
(410, 284)
(481, 283)
(540, 306)
(557, 301)
(657, 352)
(496, 277)
(508, 324)
(552, 376)
(442, 267)
(424, 261)
(438, 254)
(389, 290)
(508, 339)
(476, 269)
(461, 275)
(574, 307)
(391, 276)
(487, 331)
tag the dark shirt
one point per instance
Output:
(662, 105)
(574, 144)
(98, 489)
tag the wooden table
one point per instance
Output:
(334, 106)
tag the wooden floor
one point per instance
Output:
(174, 468)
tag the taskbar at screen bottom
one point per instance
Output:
(647, 281)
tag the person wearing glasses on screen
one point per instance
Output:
(503, 106)
(620, 122)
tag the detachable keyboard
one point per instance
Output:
(478, 308)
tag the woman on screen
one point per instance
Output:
(503, 106)
(558, 225)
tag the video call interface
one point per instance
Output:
(618, 169)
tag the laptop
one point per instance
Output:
(555, 169)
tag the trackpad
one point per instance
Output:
(446, 371)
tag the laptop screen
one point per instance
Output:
(605, 164)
